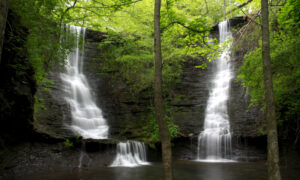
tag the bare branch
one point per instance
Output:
(112, 6)
(239, 6)
(180, 23)
(244, 28)
(251, 19)
(207, 12)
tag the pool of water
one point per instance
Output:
(183, 170)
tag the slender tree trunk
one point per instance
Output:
(273, 154)
(224, 9)
(3, 18)
(206, 5)
(158, 101)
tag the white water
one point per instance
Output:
(84, 159)
(87, 118)
(130, 154)
(214, 142)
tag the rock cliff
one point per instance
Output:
(124, 111)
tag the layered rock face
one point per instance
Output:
(188, 112)
(123, 111)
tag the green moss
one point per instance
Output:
(68, 143)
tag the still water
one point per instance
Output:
(183, 170)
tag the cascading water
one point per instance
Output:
(214, 142)
(130, 154)
(87, 119)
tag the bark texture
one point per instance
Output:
(158, 101)
(3, 18)
(273, 154)
(224, 8)
(206, 6)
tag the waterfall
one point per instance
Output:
(214, 142)
(87, 118)
(130, 154)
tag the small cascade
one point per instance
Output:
(87, 118)
(84, 158)
(130, 154)
(214, 142)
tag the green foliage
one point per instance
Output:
(127, 52)
(132, 58)
(68, 143)
(129, 46)
(46, 51)
(251, 75)
(285, 55)
(289, 17)
(128, 49)
(151, 130)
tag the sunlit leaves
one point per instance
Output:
(289, 17)
(46, 52)
(285, 55)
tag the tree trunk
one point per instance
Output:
(158, 101)
(206, 5)
(224, 9)
(3, 18)
(273, 154)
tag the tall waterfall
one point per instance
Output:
(214, 142)
(130, 154)
(87, 118)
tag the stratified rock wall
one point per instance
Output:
(188, 108)
(245, 121)
(52, 114)
(124, 112)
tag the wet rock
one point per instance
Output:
(53, 115)
(191, 95)
(234, 22)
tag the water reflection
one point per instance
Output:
(183, 170)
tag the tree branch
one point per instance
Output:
(252, 18)
(65, 12)
(239, 6)
(207, 12)
(88, 8)
(180, 23)
(244, 28)
(111, 6)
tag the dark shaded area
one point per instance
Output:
(17, 85)
(188, 109)
(234, 22)
(34, 160)
(183, 170)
